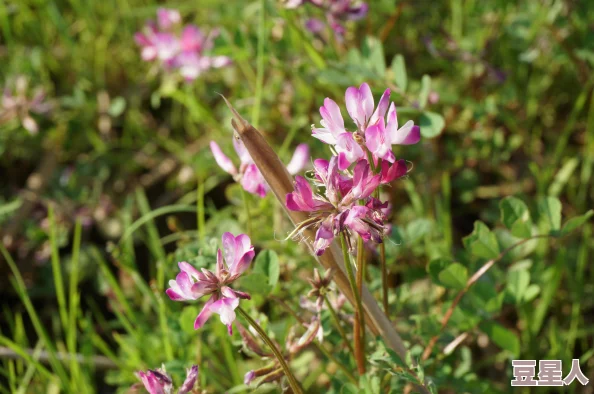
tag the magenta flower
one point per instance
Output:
(337, 12)
(336, 211)
(191, 284)
(190, 382)
(248, 175)
(391, 172)
(178, 50)
(167, 18)
(156, 45)
(375, 131)
(158, 382)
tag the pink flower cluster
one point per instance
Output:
(347, 201)
(337, 11)
(191, 284)
(374, 130)
(176, 49)
(248, 174)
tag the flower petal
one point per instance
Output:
(223, 161)
(299, 160)
(192, 39)
(190, 382)
(382, 107)
(225, 308)
(190, 270)
(167, 18)
(205, 314)
(229, 249)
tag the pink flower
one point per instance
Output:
(332, 123)
(157, 45)
(190, 382)
(180, 50)
(331, 212)
(360, 105)
(391, 172)
(378, 142)
(191, 284)
(337, 12)
(408, 134)
(375, 131)
(166, 18)
(248, 175)
(158, 382)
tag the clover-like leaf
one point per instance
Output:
(268, 265)
(516, 217)
(482, 242)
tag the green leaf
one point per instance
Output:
(517, 284)
(399, 71)
(482, 242)
(373, 52)
(448, 274)
(417, 229)
(267, 264)
(425, 90)
(117, 107)
(576, 222)
(563, 176)
(454, 276)
(501, 336)
(549, 208)
(431, 124)
(256, 283)
(435, 266)
(349, 388)
(516, 217)
(187, 317)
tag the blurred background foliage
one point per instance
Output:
(98, 205)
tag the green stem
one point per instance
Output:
(338, 325)
(359, 357)
(200, 209)
(73, 298)
(370, 161)
(383, 266)
(384, 270)
(283, 363)
(57, 270)
(360, 280)
(246, 206)
(260, 64)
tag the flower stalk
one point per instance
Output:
(384, 270)
(360, 279)
(359, 354)
(283, 363)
